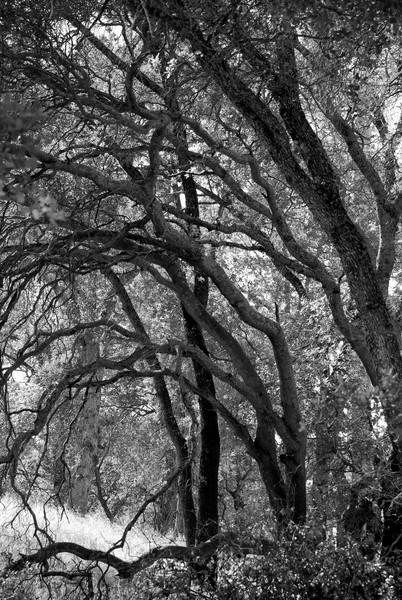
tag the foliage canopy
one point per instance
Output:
(200, 265)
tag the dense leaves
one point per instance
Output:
(200, 283)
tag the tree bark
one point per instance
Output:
(208, 518)
(288, 501)
(84, 475)
(185, 483)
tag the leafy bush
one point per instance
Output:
(304, 569)
(296, 569)
(290, 569)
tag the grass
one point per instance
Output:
(94, 530)
(18, 535)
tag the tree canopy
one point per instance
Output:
(200, 267)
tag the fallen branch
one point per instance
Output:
(125, 569)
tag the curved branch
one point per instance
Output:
(125, 569)
(359, 157)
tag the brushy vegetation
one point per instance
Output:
(290, 570)
(92, 530)
(327, 574)
(18, 534)
(298, 567)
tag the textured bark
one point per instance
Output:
(288, 501)
(208, 517)
(249, 73)
(84, 474)
(318, 187)
(377, 343)
(125, 569)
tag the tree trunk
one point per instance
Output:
(185, 482)
(89, 432)
(289, 427)
(208, 518)
(287, 492)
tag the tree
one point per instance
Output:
(213, 150)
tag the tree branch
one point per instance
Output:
(125, 569)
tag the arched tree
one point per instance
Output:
(209, 149)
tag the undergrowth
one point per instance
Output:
(295, 568)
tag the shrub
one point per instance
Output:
(302, 569)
